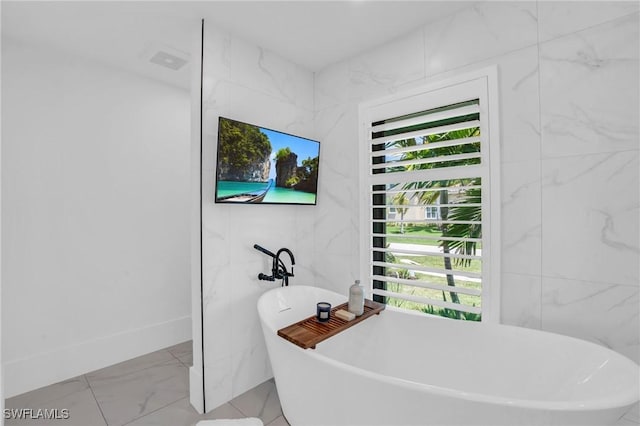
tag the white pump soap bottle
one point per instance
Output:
(356, 299)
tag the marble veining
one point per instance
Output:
(581, 122)
(589, 90)
(384, 69)
(609, 236)
(262, 65)
(604, 313)
(261, 70)
(563, 177)
(520, 192)
(486, 30)
(331, 87)
(590, 227)
(327, 125)
(558, 18)
(521, 300)
(522, 222)
(525, 237)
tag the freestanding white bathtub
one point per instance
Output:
(403, 369)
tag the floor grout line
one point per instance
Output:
(175, 357)
(233, 405)
(96, 400)
(179, 360)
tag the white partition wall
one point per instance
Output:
(250, 84)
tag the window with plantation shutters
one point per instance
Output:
(432, 213)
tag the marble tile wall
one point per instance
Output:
(590, 175)
(250, 84)
(569, 84)
(568, 87)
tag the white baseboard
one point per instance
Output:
(44, 369)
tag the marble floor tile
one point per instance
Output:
(625, 422)
(181, 413)
(634, 413)
(125, 396)
(225, 411)
(73, 395)
(181, 349)
(261, 401)
(177, 413)
(183, 352)
(186, 359)
(48, 394)
(151, 390)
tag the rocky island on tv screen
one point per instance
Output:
(257, 165)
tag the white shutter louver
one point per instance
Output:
(428, 196)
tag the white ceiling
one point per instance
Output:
(313, 34)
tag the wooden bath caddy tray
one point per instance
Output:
(308, 332)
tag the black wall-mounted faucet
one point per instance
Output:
(278, 269)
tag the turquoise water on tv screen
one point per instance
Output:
(275, 194)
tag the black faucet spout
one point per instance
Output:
(286, 250)
(279, 268)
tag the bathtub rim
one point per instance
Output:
(617, 400)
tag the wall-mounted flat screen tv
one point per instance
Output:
(260, 165)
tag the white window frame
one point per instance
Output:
(428, 212)
(413, 101)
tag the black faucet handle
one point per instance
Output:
(264, 277)
(264, 250)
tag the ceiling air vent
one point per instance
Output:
(168, 60)
(165, 56)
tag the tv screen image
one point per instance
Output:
(260, 165)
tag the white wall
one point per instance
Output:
(247, 83)
(569, 88)
(95, 185)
